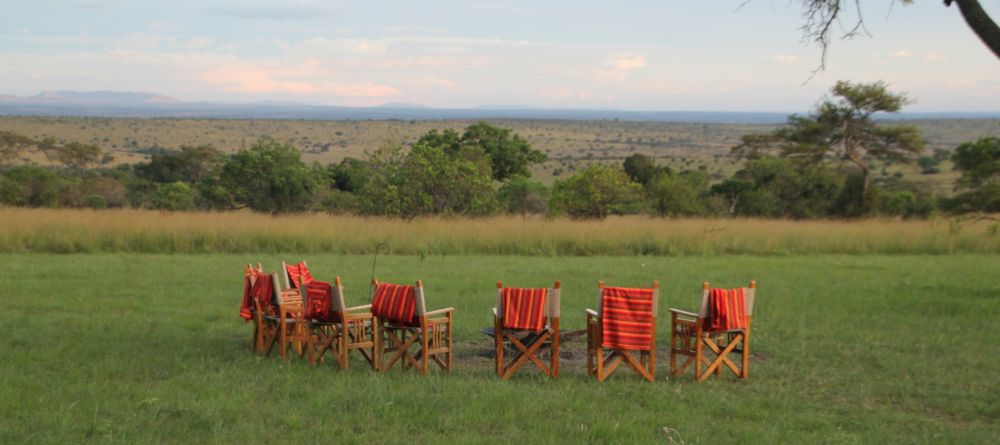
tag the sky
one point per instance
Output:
(705, 55)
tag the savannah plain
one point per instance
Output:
(121, 325)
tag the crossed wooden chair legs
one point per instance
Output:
(527, 346)
(340, 338)
(708, 349)
(601, 362)
(432, 338)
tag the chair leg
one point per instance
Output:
(554, 351)
(498, 332)
(450, 349)
(424, 349)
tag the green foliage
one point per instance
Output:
(11, 145)
(679, 195)
(95, 202)
(640, 168)
(509, 153)
(350, 175)
(842, 128)
(269, 177)
(176, 196)
(338, 202)
(780, 188)
(30, 186)
(73, 155)
(596, 192)
(929, 165)
(428, 180)
(522, 196)
(979, 163)
(190, 165)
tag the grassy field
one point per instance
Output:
(142, 348)
(145, 231)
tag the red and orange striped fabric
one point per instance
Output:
(627, 318)
(395, 303)
(246, 306)
(263, 291)
(299, 274)
(727, 309)
(524, 308)
(319, 297)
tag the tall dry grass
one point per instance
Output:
(83, 231)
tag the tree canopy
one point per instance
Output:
(843, 128)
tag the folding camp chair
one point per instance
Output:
(722, 325)
(527, 320)
(265, 313)
(293, 328)
(296, 275)
(624, 322)
(250, 275)
(337, 328)
(402, 322)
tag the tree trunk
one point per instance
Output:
(980, 22)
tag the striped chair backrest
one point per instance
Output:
(398, 303)
(319, 301)
(527, 308)
(296, 275)
(628, 316)
(721, 308)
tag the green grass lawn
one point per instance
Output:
(847, 349)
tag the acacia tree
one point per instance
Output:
(842, 128)
(822, 15)
(11, 144)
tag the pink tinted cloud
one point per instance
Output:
(307, 79)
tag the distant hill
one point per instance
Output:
(108, 98)
(133, 104)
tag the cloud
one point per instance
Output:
(786, 59)
(438, 82)
(302, 12)
(310, 77)
(901, 54)
(565, 93)
(627, 63)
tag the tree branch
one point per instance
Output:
(980, 23)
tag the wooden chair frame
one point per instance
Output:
(266, 324)
(601, 365)
(689, 338)
(251, 273)
(293, 328)
(527, 345)
(432, 334)
(352, 328)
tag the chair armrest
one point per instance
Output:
(439, 312)
(592, 312)
(358, 315)
(683, 312)
(358, 308)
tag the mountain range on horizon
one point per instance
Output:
(146, 104)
